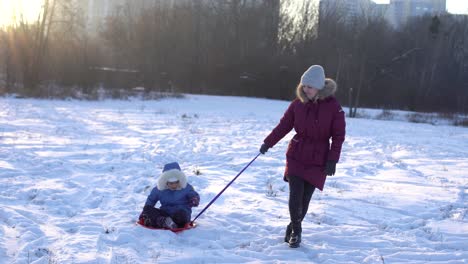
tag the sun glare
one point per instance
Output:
(13, 11)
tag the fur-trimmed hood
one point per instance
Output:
(328, 90)
(174, 173)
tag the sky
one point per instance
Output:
(75, 174)
(11, 8)
(30, 8)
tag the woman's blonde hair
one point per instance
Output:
(300, 93)
(328, 90)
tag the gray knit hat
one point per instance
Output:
(314, 77)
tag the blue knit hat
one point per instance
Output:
(172, 166)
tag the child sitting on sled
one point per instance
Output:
(177, 197)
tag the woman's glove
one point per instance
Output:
(330, 168)
(264, 148)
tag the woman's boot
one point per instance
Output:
(287, 236)
(295, 239)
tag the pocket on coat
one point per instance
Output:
(307, 155)
(320, 155)
(292, 149)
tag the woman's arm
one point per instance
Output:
(285, 125)
(337, 134)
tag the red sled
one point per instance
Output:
(187, 226)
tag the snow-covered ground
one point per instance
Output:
(74, 176)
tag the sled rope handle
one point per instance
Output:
(219, 194)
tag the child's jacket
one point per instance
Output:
(173, 200)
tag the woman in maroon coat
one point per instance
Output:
(316, 117)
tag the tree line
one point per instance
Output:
(238, 47)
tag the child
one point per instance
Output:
(176, 196)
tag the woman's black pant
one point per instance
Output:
(300, 193)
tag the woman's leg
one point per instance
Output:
(308, 191)
(300, 193)
(296, 198)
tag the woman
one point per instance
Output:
(317, 117)
(177, 197)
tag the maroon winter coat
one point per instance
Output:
(315, 124)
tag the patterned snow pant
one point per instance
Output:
(155, 217)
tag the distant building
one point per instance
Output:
(401, 10)
(397, 12)
(380, 10)
(349, 10)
